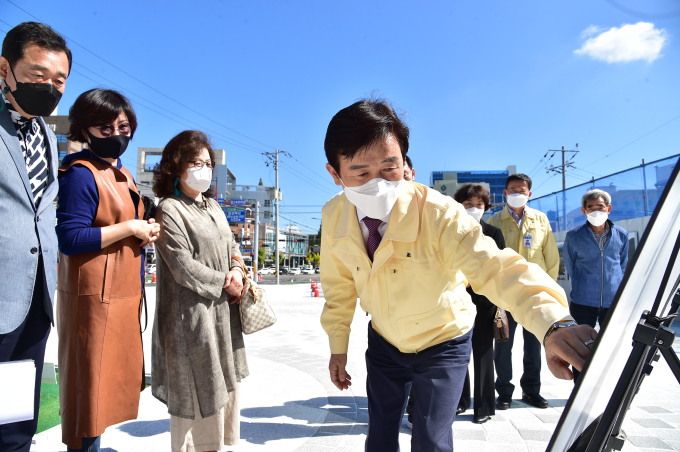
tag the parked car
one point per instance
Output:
(151, 268)
(283, 271)
(308, 271)
(295, 271)
(316, 270)
(267, 271)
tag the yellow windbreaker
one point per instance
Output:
(543, 250)
(414, 289)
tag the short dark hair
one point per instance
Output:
(408, 161)
(362, 124)
(467, 191)
(98, 107)
(176, 154)
(518, 176)
(33, 33)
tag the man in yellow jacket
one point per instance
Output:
(526, 231)
(406, 251)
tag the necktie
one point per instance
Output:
(374, 236)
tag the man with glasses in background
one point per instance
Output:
(527, 231)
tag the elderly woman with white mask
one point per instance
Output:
(198, 353)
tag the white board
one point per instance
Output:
(17, 391)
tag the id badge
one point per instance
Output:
(527, 241)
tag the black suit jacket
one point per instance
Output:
(497, 236)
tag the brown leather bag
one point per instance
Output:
(501, 329)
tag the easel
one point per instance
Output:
(652, 334)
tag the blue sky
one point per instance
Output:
(482, 85)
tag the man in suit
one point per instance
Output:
(527, 232)
(34, 66)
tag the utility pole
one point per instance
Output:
(273, 159)
(563, 170)
(256, 248)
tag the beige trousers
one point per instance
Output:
(211, 433)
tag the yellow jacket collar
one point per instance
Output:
(404, 220)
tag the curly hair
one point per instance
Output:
(468, 191)
(182, 148)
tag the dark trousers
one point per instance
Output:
(26, 342)
(587, 315)
(436, 374)
(482, 352)
(531, 378)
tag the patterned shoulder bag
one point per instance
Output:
(256, 313)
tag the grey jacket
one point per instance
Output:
(196, 332)
(27, 230)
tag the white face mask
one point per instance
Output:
(199, 178)
(375, 198)
(597, 218)
(475, 213)
(517, 200)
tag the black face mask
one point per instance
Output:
(110, 147)
(36, 99)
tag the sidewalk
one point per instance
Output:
(289, 403)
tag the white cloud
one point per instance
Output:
(592, 30)
(630, 42)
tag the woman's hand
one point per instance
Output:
(147, 232)
(234, 283)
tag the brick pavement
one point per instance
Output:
(289, 403)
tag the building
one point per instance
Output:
(253, 194)
(294, 245)
(448, 182)
(60, 125)
(147, 158)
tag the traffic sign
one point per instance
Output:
(236, 215)
(239, 202)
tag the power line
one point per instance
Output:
(634, 141)
(146, 84)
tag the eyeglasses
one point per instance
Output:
(107, 130)
(198, 163)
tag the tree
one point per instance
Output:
(261, 255)
(281, 258)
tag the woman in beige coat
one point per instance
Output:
(198, 355)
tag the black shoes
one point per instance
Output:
(460, 410)
(503, 402)
(534, 399)
(480, 419)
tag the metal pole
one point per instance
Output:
(277, 217)
(564, 194)
(644, 187)
(256, 248)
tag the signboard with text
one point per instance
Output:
(235, 215)
(239, 202)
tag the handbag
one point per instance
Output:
(501, 329)
(256, 313)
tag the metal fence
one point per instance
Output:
(635, 193)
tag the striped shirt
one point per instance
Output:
(34, 148)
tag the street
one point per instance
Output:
(290, 404)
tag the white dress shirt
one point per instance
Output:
(364, 228)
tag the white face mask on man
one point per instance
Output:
(199, 179)
(375, 198)
(517, 200)
(597, 218)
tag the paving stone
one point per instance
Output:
(529, 424)
(477, 435)
(472, 446)
(654, 409)
(536, 446)
(536, 435)
(548, 418)
(497, 427)
(648, 442)
(652, 423)
(666, 434)
(511, 437)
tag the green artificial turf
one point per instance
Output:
(49, 407)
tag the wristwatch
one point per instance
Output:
(556, 325)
